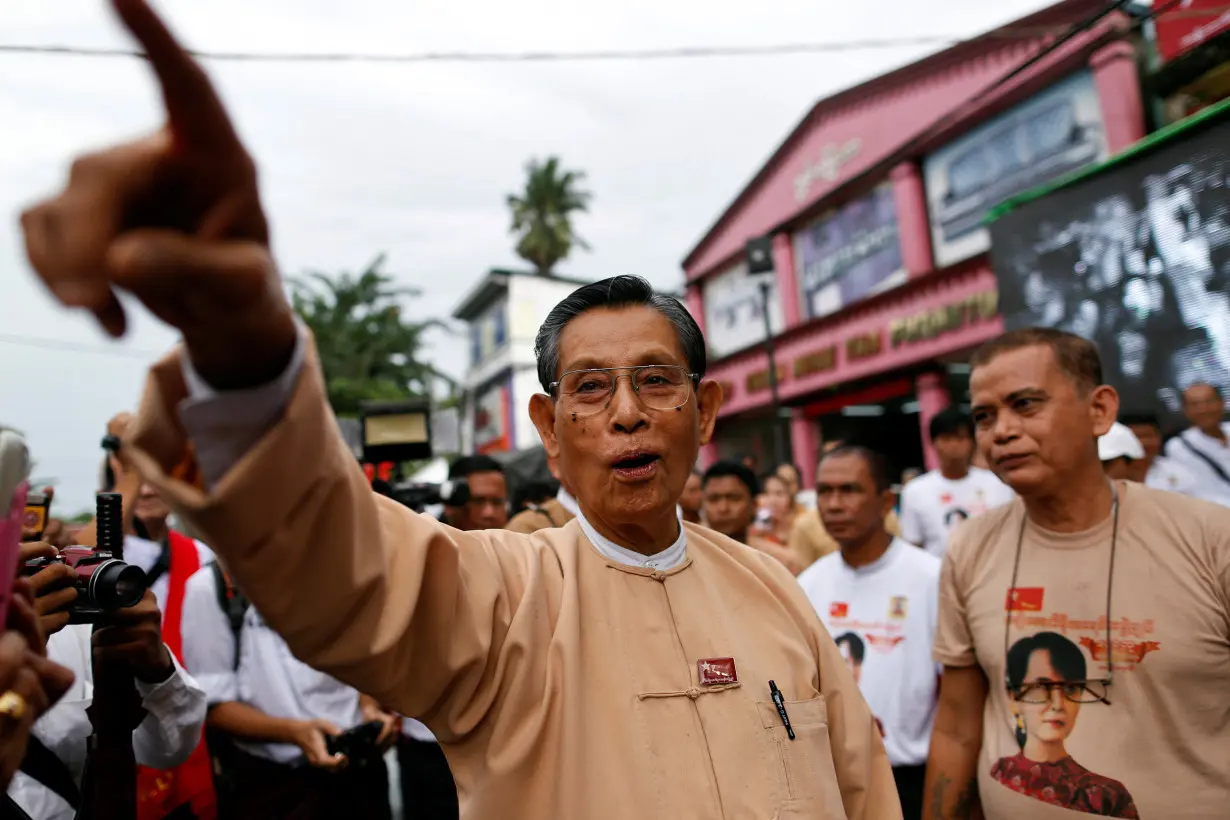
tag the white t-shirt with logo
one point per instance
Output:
(932, 505)
(883, 618)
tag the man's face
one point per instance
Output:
(150, 506)
(850, 507)
(728, 506)
(1150, 438)
(1203, 407)
(1033, 424)
(627, 463)
(791, 477)
(488, 505)
(692, 495)
(955, 450)
(1117, 469)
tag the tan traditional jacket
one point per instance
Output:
(549, 514)
(562, 685)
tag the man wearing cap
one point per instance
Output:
(1122, 454)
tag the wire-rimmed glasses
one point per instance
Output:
(658, 386)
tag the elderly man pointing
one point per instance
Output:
(620, 666)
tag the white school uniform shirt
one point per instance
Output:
(269, 678)
(143, 553)
(166, 737)
(932, 505)
(1168, 474)
(1179, 449)
(883, 618)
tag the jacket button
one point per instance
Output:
(658, 575)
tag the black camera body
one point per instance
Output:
(103, 582)
(357, 744)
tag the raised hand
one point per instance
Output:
(174, 218)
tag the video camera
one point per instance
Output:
(357, 744)
(104, 582)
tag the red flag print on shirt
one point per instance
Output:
(1024, 599)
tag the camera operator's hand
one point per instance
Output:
(309, 736)
(391, 723)
(29, 683)
(52, 587)
(134, 636)
(176, 220)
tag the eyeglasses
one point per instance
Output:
(1076, 691)
(658, 386)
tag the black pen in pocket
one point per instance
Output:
(780, 703)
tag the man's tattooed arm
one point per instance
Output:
(964, 806)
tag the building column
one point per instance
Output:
(787, 282)
(913, 225)
(931, 390)
(695, 301)
(708, 456)
(805, 446)
(1115, 76)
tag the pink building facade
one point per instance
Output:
(883, 283)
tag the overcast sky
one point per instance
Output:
(415, 159)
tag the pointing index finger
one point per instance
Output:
(196, 114)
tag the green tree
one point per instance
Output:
(542, 214)
(367, 349)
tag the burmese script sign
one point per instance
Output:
(944, 319)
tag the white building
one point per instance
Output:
(504, 311)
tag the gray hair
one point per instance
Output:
(616, 292)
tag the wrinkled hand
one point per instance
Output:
(51, 586)
(309, 735)
(134, 637)
(175, 219)
(26, 672)
(390, 722)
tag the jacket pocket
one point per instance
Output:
(811, 776)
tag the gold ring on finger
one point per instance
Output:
(13, 705)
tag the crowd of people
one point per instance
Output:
(644, 642)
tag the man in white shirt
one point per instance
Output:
(276, 713)
(937, 501)
(1161, 472)
(1204, 448)
(1122, 455)
(173, 701)
(879, 597)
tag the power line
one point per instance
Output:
(867, 44)
(74, 347)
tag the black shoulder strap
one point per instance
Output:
(1213, 465)
(9, 810)
(161, 566)
(232, 602)
(42, 764)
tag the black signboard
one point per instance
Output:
(1134, 255)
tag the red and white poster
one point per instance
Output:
(1189, 23)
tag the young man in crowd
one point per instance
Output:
(1204, 448)
(730, 491)
(550, 512)
(1161, 473)
(693, 499)
(937, 501)
(477, 494)
(1084, 628)
(878, 595)
(272, 717)
(809, 541)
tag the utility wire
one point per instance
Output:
(73, 347)
(866, 44)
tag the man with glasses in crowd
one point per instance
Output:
(1087, 597)
(625, 665)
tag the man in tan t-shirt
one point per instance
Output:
(1032, 724)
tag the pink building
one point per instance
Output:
(882, 286)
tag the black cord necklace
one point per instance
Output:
(1110, 580)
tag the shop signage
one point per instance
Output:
(733, 317)
(760, 379)
(833, 158)
(1182, 27)
(818, 361)
(864, 345)
(849, 254)
(491, 421)
(1048, 135)
(728, 388)
(944, 319)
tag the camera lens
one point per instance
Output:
(115, 585)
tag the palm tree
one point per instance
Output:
(542, 214)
